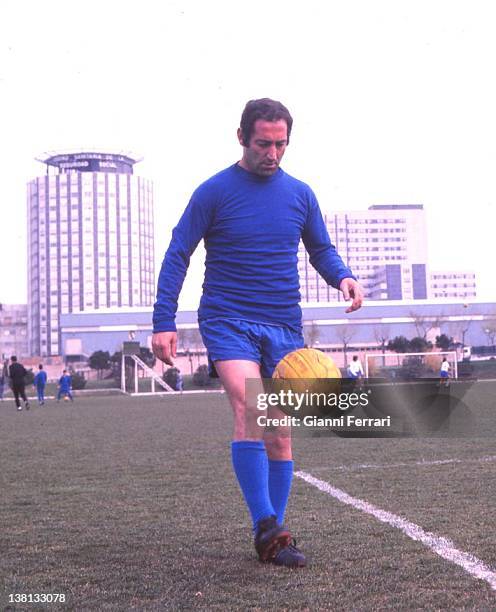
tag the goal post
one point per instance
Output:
(409, 366)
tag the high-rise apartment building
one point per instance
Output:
(385, 246)
(13, 331)
(452, 284)
(90, 241)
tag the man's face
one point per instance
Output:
(264, 152)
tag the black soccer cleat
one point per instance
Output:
(270, 538)
(290, 556)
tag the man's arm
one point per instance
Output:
(325, 259)
(192, 227)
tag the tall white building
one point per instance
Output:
(386, 248)
(90, 241)
(452, 284)
(13, 331)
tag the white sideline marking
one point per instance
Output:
(442, 546)
(379, 466)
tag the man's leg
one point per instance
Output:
(277, 342)
(278, 445)
(15, 391)
(22, 393)
(249, 456)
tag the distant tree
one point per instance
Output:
(444, 342)
(191, 342)
(99, 361)
(189, 355)
(183, 338)
(115, 361)
(170, 377)
(489, 328)
(78, 381)
(399, 344)
(419, 345)
(412, 368)
(147, 356)
(421, 324)
(312, 334)
(381, 335)
(424, 324)
(201, 377)
(459, 329)
(345, 333)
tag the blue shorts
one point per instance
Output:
(239, 339)
(444, 374)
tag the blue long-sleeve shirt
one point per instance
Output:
(40, 379)
(65, 382)
(251, 226)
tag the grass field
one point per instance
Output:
(127, 503)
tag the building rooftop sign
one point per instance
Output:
(91, 161)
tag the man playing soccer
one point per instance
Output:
(355, 371)
(251, 217)
(65, 383)
(444, 373)
(39, 382)
(17, 374)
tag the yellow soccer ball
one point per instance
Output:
(306, 363)
(311, 374)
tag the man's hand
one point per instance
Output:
(351, 289)
(164, 346)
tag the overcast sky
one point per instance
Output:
(393, 102)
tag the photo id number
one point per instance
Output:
(37, 598)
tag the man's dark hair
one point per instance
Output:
(266, 109)
(13, 358)
(40, 366)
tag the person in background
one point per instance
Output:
(65, 382)
(3, 380)
(444, 373)
(179, 381)
(355, 370)
(17, 373)
(40, 383)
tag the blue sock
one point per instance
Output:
(280, 478)
(251, 467)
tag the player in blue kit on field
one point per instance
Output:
(251, 217)
(39, 382)
(65, 383)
